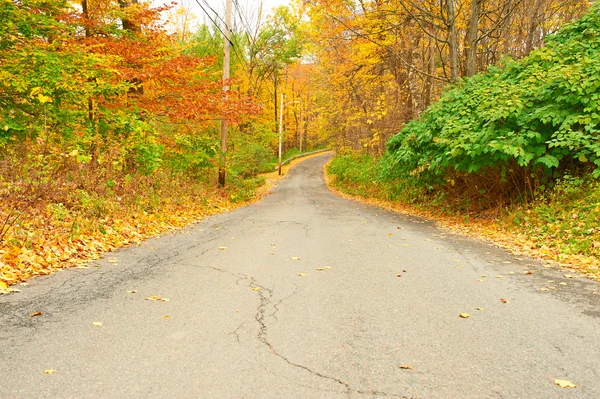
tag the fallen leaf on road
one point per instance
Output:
(320, 269)
(398, 275)
(295, 258)
(499, 276)
(222, 248)
(34, 314)
(255, 288)
(568, 276)
(479, 309)
(390, 234)
(132, 292)
(565, 384)
(237, 311)
(543, 289)
(113, 260)
(562, 283)
(405, 245)
(302, 274)
(465, 315)
(503, 300)
(405, 367)
(166, 316)
(97, 323)
(529, 272)
(81, 267)
(156, 298)
(49, 371)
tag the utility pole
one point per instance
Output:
(301, 130)
(280, 132)
(226, 62)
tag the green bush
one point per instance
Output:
(536, 118)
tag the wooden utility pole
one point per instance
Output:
(280, 133)
(226, 62)
(301, 130)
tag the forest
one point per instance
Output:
(110, 114)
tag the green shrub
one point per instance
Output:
(536, 118)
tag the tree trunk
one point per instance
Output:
(533, 26)
(452, 41)
(472, 38)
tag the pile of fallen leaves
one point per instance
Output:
(48, 236)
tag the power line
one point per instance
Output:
(233, 45)
(214, 22)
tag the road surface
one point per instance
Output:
(250, 315)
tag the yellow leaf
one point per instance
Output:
(49, 371)
(465, 315)
(478, 308)
(565, 384)
(222, 248)
(568, 276)
(44, 99)
(156, 298)
(3, 286)
(113, 260)
(405, 367)
(132, 292)
(320, 269)
(97, 323)
(166, 316)
(34, 314)
(302, 274)
(256, 288)
(295, 258)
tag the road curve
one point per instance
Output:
(250, 315)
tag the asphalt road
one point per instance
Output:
(249, 321)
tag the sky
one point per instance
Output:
(248, 7)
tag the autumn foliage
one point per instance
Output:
(105, 119)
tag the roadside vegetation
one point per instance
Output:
(109, 125)
(519, 145)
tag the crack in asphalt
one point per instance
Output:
(265, 301)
